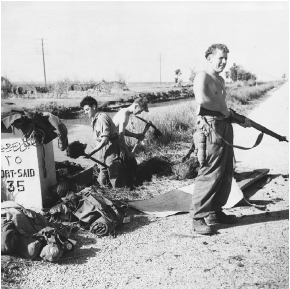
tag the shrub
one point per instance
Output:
(251, 82)
(176, 123)
(6, 87)
(62, 87)
(243, 95)
(58, 110)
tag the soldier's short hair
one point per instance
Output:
(142, 102)
(212, 49)
(88, 100)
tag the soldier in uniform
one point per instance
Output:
(107, 149)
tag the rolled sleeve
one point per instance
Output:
(104, 126)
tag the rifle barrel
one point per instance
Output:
(241, 119)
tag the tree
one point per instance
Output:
(192, 74)
(241, 74)
(227, 74)
(6, 87)
(237, 72)
(253, 76)
(234, 72)
(284, 76)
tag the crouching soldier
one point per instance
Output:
(107, 149)
(121, 120)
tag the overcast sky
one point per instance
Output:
(102, 40)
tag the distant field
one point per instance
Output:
(74, 97)
(237, 96)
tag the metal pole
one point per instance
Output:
(43, 63)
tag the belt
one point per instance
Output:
(214, 115)
(207, 112)
(114, 137)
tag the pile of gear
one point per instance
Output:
(32, 235)
(89, 210)
(40, 127)
(29, 234)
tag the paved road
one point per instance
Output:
(273, 114)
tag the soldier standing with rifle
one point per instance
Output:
(214, 180)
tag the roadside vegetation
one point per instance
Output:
(243, 95)
(175, 122)
(59, 89)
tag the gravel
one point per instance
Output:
(153, 252)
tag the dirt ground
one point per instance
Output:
(152, 252)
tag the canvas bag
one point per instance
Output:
(98, 214)
(8, 236)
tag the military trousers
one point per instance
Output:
(115, 172)
(214, 180)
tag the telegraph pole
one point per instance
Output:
(42, 51)
(43, 62)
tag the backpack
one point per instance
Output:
(53, 244)
(8, 237)
(98, 214)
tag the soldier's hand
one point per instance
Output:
(228, 114)
(87, 155)
(140, 136)
(247, 123)
(130, 155)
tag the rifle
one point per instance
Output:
(241, 119)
